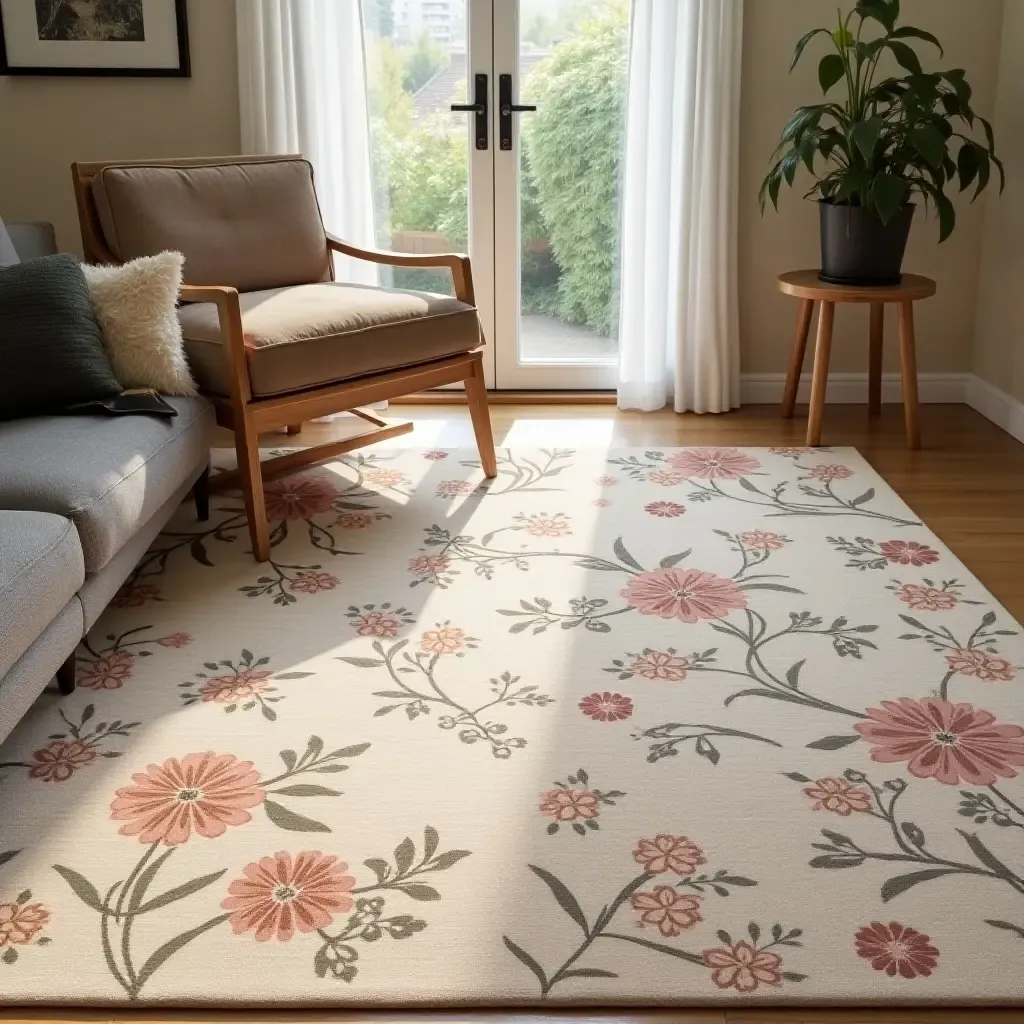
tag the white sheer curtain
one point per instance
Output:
(302, 86)
(678, 325)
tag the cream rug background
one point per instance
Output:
(680, 726)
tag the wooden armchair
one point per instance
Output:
(272, 338)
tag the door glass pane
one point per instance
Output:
(573, 58)
(416, 68)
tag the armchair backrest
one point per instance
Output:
(248, 222)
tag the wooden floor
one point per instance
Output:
(967, 484)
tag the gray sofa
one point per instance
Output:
(81, 499)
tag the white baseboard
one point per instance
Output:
(1002, 409)
(852, 388)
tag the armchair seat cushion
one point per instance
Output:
(317, 334)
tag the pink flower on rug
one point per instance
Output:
(762, 540)
(713, 463)
(428, 565)
(436, 455)
(110, 671)
(743, 967)
(666, 477)
(829, 473)
(951, 743)
(548, 526)
(665, 509)
(251, 682)
(659, 665)
(606, 707)
(21, 922)
(299, 497)
(896, 949)
(669, 853)
(977, 663)
(175, 640)
(927, 599)
(607, 481)
(684, 594)
(443, 640)
(839, 797)
(452, 488)
(385, 477)
(310, 582)
(601, 503)
(201, 793)
(355, 520)
(60, 759)
(376, 624)
(908, 552)
(569, 804)
(283, 894)
(136, 595)
(670, 910)
(791, 453)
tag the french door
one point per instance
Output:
(497, 126)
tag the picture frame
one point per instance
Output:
(95, 38)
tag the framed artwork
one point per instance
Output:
(94, 37)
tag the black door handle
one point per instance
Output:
(506, 108)
(479, 108)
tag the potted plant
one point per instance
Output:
(891, 139)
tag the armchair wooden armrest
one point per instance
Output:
(458, 263)
(229, 316)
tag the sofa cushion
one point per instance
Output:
(41, 569)
(107, 474)
(323, 333)
(249, 224)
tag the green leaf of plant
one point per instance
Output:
(169, 948)
(906, 56)
(669, 560)
(837, 860)
(588, 972)
(864, 135)
(928, 141)
(830, 70)
(563, 896)
(901, 883)
(909, 32)
(843, 38)
(524, 958)
(81, 887)
(793, 674)
(8, 855)
(967, 164)
(863, 499)
(448, 858)
(797, 776)
(363, 662)
(293, 675)
(290, 821)
(179, 892)
(430, 841)
(305, 789)
(882, 12)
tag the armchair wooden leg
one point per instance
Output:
(476, 395)
(201, 495)
(247, 447)
(66, 676)
(293, 429)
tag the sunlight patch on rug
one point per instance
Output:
(647, 727)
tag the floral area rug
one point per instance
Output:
(680, 726)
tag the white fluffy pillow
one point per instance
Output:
(136, 305)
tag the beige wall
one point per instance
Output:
(46, 123)
(999, 338)
(970, 32)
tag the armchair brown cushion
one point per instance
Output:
(319, 334)
(250, 224)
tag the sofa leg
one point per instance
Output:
(201, 495)
(248, 449)
(66, 676)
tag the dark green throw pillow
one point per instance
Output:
(51, 345)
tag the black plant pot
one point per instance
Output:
(858, 249)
